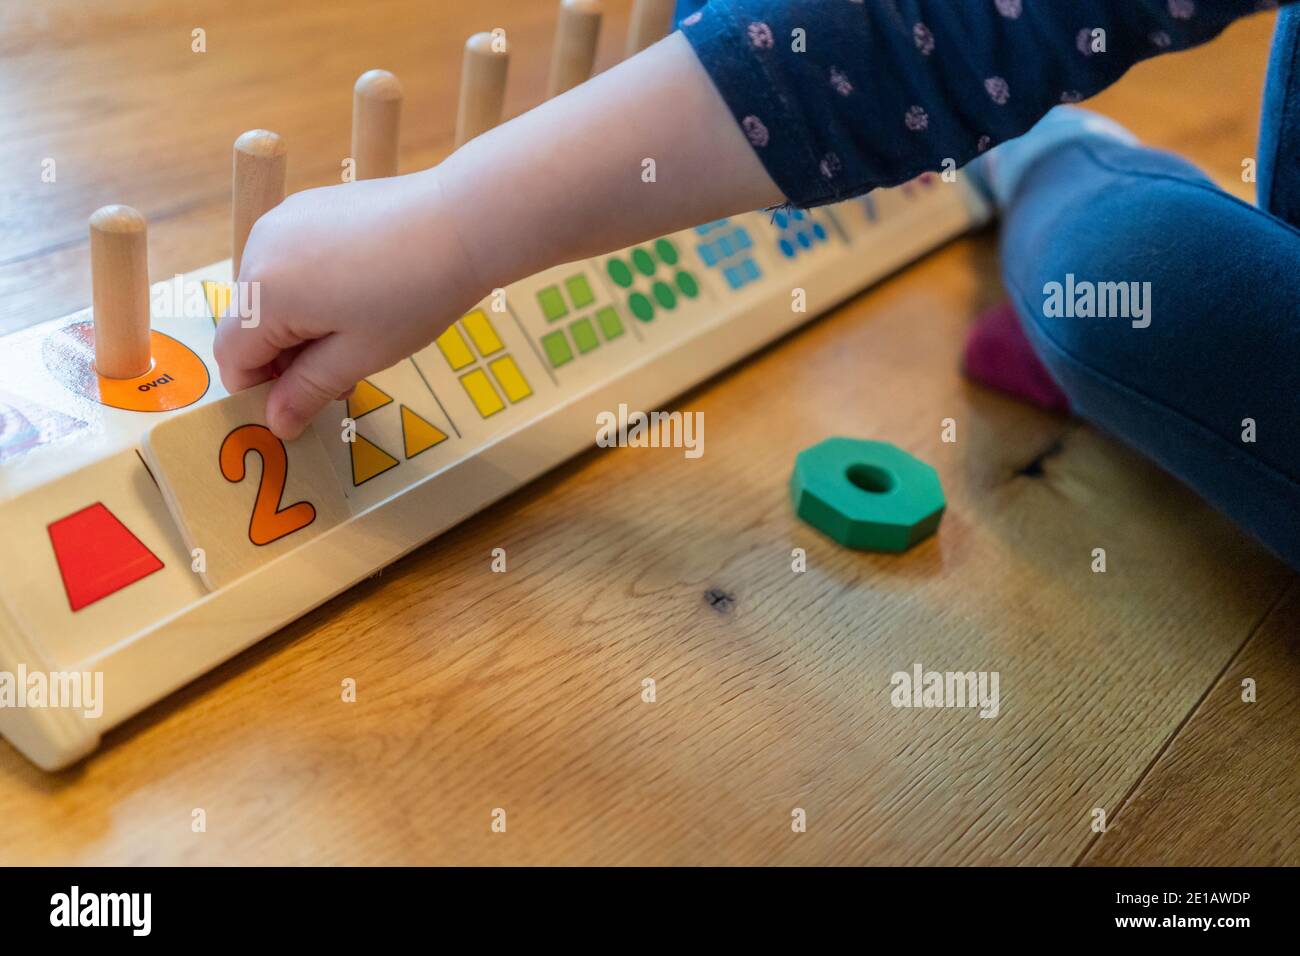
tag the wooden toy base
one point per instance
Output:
(124, 571)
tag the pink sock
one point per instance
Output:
(998, 354)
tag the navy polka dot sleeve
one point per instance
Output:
(839, 97)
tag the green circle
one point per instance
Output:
(689, 287)
(641, 307)
(644, 262)
(664, 295)
(619, 272)
(667, 252)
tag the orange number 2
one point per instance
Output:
(269, 522)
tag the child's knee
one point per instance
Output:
(1100, 269)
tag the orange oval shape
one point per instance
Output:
(176, 379)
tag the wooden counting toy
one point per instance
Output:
(155, 527)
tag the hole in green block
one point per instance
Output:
(871, 478)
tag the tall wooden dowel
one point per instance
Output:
(574, 54)
(376, 124)
(119, 275)
(651, 22)
(482, 86)
(258, 184)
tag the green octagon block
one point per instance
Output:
(867, 495)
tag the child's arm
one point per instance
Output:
(356, 277)
(843, 96)
(810, 100)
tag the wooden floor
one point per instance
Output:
(522, 691)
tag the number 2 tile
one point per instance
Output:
(236, 491)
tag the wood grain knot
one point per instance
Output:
(720, 600)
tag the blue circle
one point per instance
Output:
(804, 240)
(786, 248)
(819, 231)
(780, 220)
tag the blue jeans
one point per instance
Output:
(1219, 361)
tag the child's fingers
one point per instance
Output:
(245, 356)
(321, 372)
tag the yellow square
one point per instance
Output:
(481, 331)
(510, 379)
(481, 392)
(454, 350)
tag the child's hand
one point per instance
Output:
(352, 279)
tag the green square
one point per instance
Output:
(579, 291)
(584, 335)
(552, 303)
(609, 322)
(557, 349)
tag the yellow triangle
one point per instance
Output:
(369, 460)
(366, 399)
(218, 296)
(418, 434)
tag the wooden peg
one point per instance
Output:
(574, 53)
(652, 20)
(260, 162)
(119, 275)
(376, 124)
(482, 86)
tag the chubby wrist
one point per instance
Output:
(445, 228)
(508, 215)
(459, 192)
